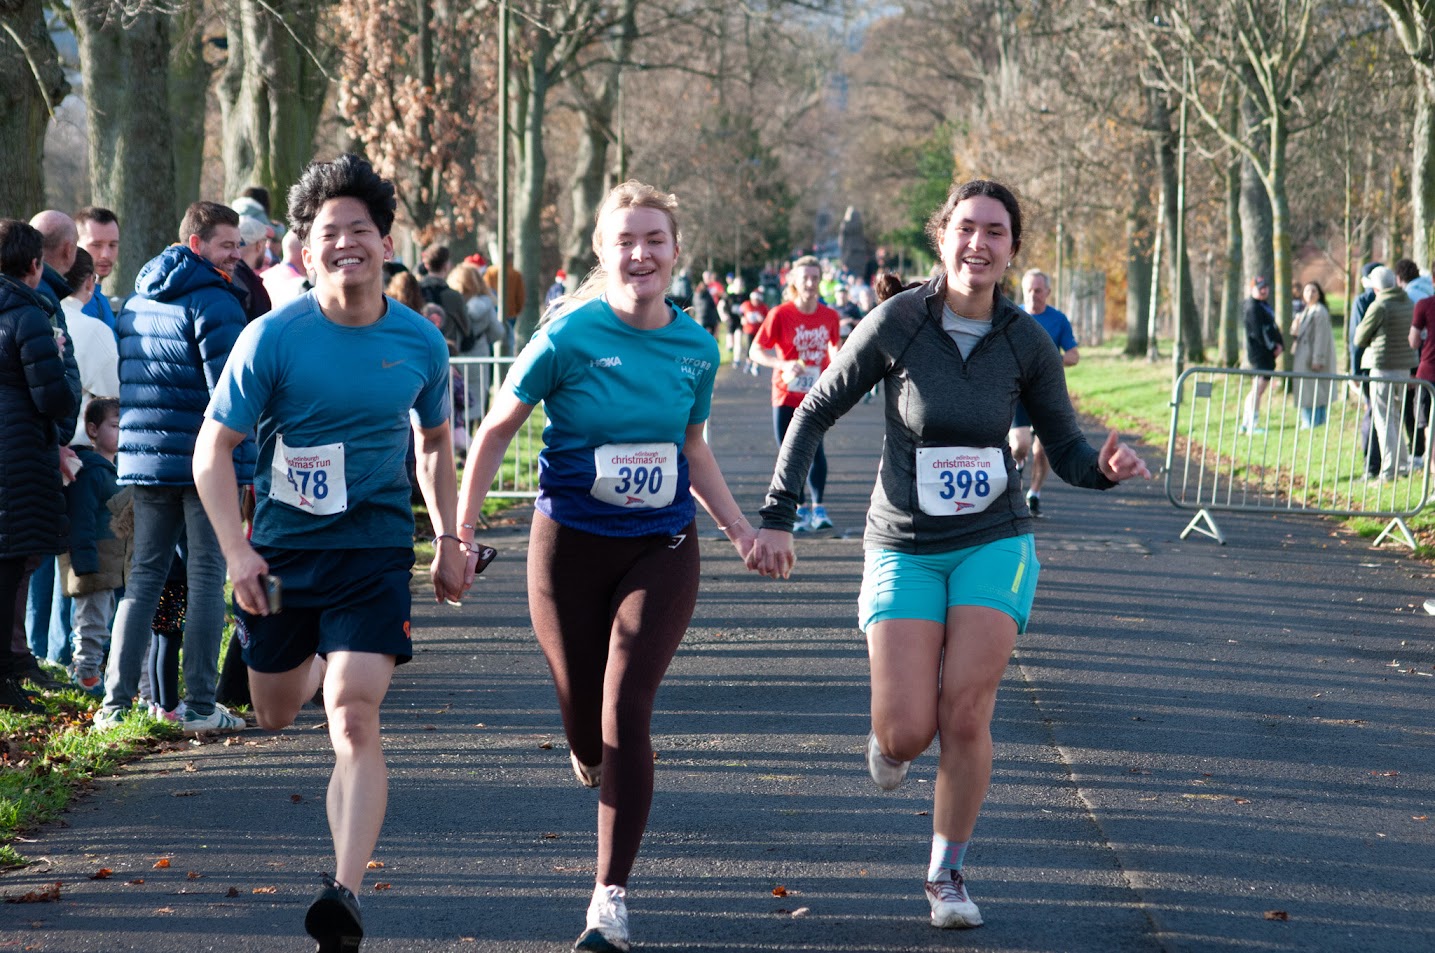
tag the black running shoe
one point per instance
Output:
(1033, 503)
(33, 672)
(333, 919)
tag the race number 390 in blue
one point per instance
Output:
(639, 480)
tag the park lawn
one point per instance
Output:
(1133, 396)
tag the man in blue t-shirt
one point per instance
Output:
(1035, 291)
(327, 384)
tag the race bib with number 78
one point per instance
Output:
(310, 479)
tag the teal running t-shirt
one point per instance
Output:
(619, 401)
(330, 405)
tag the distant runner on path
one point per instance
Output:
(1035, 290)
(626, 382)
(797, 340)
(950, 568)
(322, 596)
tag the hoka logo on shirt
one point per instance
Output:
(614, 361)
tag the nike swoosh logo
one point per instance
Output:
(388, 364)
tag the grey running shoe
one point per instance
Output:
(886, 772)
(952, 909)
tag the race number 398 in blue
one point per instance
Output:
(965, 482)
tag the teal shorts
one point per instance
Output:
(1000, 575)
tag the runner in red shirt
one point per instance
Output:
(798, 340)
(754, 312)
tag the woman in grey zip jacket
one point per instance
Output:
(950, 564)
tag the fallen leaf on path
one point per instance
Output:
(46, 894)
(921, 813)
(102, 874)
(375, 865)
(194, 875)
(295, 798)
(232, 892)
(550, 836)
(265, 890)
(1419, 817)
(134, 883)
(183, 793)
(163, 911)
(801, 912)
(381, 885)
(1277, 915)
(545, 745)
(779, 891)
(1385, 774)
(161, 864)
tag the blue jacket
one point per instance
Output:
(175, 335)
(54, 289)
(35, 393)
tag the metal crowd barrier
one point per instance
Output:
(475, 381)
(1287, 464)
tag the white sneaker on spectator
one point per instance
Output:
(221, 720)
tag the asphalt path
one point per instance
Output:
(1198, 748)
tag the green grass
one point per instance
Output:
(1134, 396)
(47, 758)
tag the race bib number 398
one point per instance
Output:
(310, 479)
(635, 475)
(959, 481)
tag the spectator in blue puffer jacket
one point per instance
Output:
(35, 397)
(175, 335)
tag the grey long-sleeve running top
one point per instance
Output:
(935, 398)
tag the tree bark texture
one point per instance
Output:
(32, 84)
(271, 94)
(126, 69)
(533, 170)
(189, 78)
(1232, 294)
(1139, 227)
(1186, 319)
(1255, 215)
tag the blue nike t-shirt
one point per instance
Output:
(612, 394)
(332, 403)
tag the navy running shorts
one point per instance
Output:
(340, 600)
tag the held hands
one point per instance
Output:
(450, 581)
(1119, 462)
(771, 554)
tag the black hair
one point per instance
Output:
(1406, 270)
(202, 218)
(348, 176)
(436, 258)
(259, 194)
(83, 267)
(96, 214)
(1319, 291)
(21, 245)
(99, 408)
(975, 188)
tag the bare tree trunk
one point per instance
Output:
(271, 94)
(585, 189)
(31, 86)
(1185, 319)
(126, 67)
(1138, 254)
(1231, 295)
(534, 169)
(189, 78)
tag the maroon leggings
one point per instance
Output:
(609, 613)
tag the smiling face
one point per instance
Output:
(806, 281)
(220, 249)
(345, 252)
(637, 251)
(976, 245)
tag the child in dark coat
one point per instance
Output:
(96, 565)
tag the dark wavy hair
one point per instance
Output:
(348, 176)
(937, 224)
(20, 246)
(888, 283)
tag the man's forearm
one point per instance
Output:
(218, 488)
(435, 472)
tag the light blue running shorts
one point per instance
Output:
(1000, 575)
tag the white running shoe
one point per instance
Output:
(607, 930)
(952, 909)
(221, 720)
(886, 772)
(589, 777)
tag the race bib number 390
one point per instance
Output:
(635, 475)
(959, 481)
(310, 479)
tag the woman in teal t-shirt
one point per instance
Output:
(626, 381)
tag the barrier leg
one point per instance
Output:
(1389, 530)
(1209, 529)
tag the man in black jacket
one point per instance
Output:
(1263, 345)
(36, 397)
